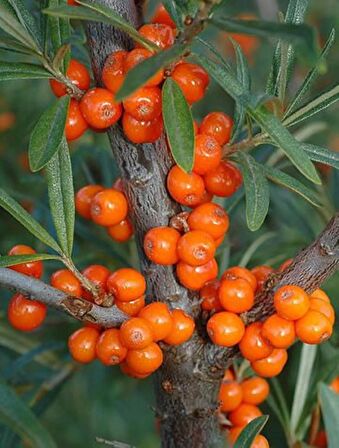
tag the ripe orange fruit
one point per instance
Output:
(196, 248)
(323, 308)
(98, 276)
(142, 131)
(224, 181)
(185, 188)
(218, 125)
(132, 307)
(25, 314)
(66, 281)
(207, 154)
(159, 318)
(145, 360)
(126, 284)
(77, 73)
(126, 369)
(320, 294)
(291, 302)
(226, 329)
(145, 104)
(99, 108)
(236, 295)
(278, 331)
(230, 396)
(253, 346)
(31, 268)
(313, 328)
(82, 343)
(192, 79)
(209, 294)
(113, 73)
(262, 273)
(122, 231)
(76, 125)
(158, 33)
(195, 277)
(137, 56)
(136, 333)
(160, 245)
(272, 365)
(210, 218)
(162, 16)
(109, 348)
(182, 328)
(240, 272)
(255, 390)
(109, 207)
(244, 414)
(83, 199)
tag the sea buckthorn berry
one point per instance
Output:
(218, 125)
(97, 275)
(262, 273)
(233, 433)
(161, 35)
(313, 328)
(145, 360)
(159, 318)
(76, 125)
(219, 241)
(196, 248)
(335, 385)
(278, 331)
(113, 73)
(236, 295)
(244, 414)
(324, 308)
(210, 218)
(205, 198)
(126, 284)
(224, 181)
(109, 348)
(195, 277)
(207, 154)
(230, 396)
(144, 104)
(133, 307)
(99, 108)
(162, 16)
(83, 199)
(240, 272)
(66, 281)
(160, 245)
(209, 294)
(138, 55)
(82, 344)
(25, 314)
(71, 2)
(109, 207)
(31, 268)
(272, 365)
(228, 375)
(182, 328)
(320, 294)
(77, 73)
(255, 390)
(253, 346)
(136, 333)
(142, 131)
(126, 369)
(291, 302)
(226, 329)
(192, 79)
(259, 441)
(122, 231)
(185, 188)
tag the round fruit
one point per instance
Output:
(196, 248)
(236, 295)
(262, 273)
(323, 308)
(320, 294)
(185, 188)
(122, 231)
(291, 302)
(113, 73)
(98, 276)
(244, 414)
(253, 346)
(76, 125)
(159, 318)
(83, 199)
(142, 131)
(109, 207)
(255, 390)
(136, 333)
(218, 125)
(195, 277)
(192, 79)
(240, 272)
(99, 108)
(272, 365)
(230, 396)
(25, 314)
(109, 348)
(224, 181)
(182, 328)
(160, 245)
(126, 284)
(66, 281)
(210, 218)
(31, 268)
(131, 308)
(138, 55)
(226, 329)
(144, 104)
(278, 331)
(77, 73)
(209, 294)
(162, 16)
(145, 360)
(161, 35)
(313, 328)
(207, 154)
(82, 343)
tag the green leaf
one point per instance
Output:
(61, 196)
(60, 32)
(12, 260)
(99, 13)
(175, 12)
(27, 20)
(13, 70)
(48, 134)
(322, 155)
(256, 189)
(329, 402)
(285, 180)
(178, 123)
(24, 218)
(17, 415)
(138, 76)
(250, 431)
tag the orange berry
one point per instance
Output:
(240, 272)
(255, 390)
(236, 295)
(136, 333)
(210, 218)
(66, 281)
(76, 125)
(320, 294)
(228, 375)
(109, 207)
(272, 365)
(233, 434)
(260, 441)
(206, 197)
(133, 307)
(313, 328)
(72, 2)
(142, 131)
(244, 414)
(109, 348)
(196, 248)
(99, 108)
(207, 154)
(138, 55)
(219, 241)
(83, 199)
(291, 302)
(31, 268)
(161, 35)
(82, 343)
(230, 396)
(195, 277)
(253, 346)
(182, 328)
(145, 360)
(162, 16)
(192, 79)
(335, 385)
(144, 104)
(126, 369)
(226, 329)
(224, 181)
(209, 294)
(218, 125)
(77, 73)
(98, 276)
(262, 273)
(159, 318)
(126, 284)
(185, 188)
(113, 73)
(278, 331)
(160, 245)
(122, 231)
(323, 307)
(25, 314)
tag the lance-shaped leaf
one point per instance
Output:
(322, 155)
(250, 431)
(12, 260)
(59, 30)
(48, 134)
(13, 70)
(329, 402)
(176, 13)
(27, 20)
(178, 124)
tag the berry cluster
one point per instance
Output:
(106, 207)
